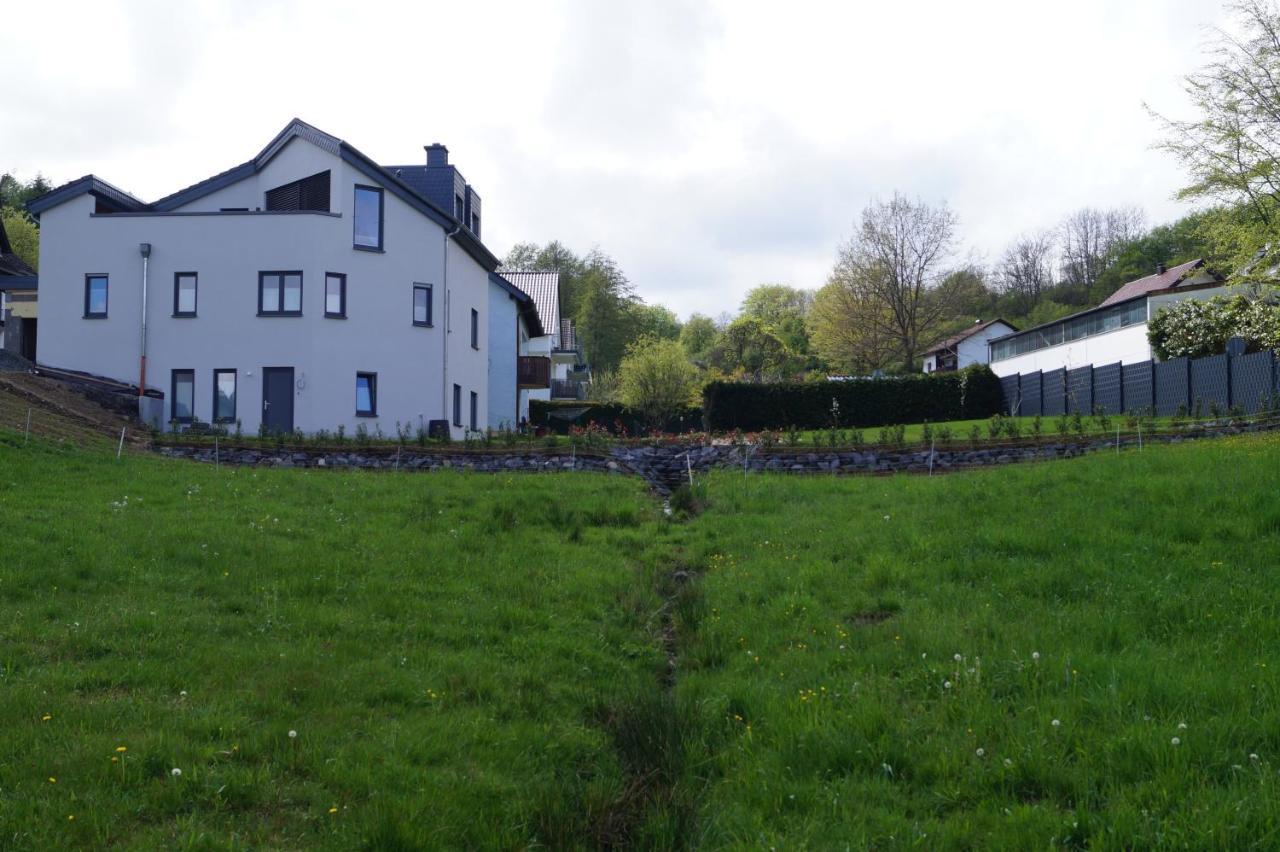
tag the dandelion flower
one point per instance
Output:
(1175, 741)
(1035, 655)
(46, 717)
(121, 749)
(1182, 726)
(71, 817)
(981, 752)
(1056, 723)
(293, 735)
(946, 684)
(957, 658)
(1008, 763)
(1253, 756)
(53, 780)
(333, 810)
(175, 772)
(182, 694)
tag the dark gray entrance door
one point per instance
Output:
(277, 398)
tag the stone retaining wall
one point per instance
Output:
(668, 466)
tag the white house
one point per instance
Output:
(1113, 332)
(968, 347)
(548, 359)
(307, 288)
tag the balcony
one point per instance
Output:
(533, 372)
(568, 389)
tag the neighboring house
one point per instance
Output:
(17, 302)
(307, 288)
(513, 320)
(1113, 332)
(968, 347)
(551, 359)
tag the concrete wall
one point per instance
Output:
(416, 366)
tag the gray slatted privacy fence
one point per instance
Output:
(1138, 390)
(1107, 389)
(1032, 401)
(1054, 387)
(1248, 382)
(1080, 390)
(1173, 386)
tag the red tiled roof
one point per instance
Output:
(1166, 280)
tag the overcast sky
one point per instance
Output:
(708, 146)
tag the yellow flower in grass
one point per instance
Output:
(121, 749)
(53, 780)
(46, 717)
(333, 810)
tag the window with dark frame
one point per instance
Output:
(335, 295)
(367, 218)
(459, 208)
(95, 296)
(475, 407)
(457, 405)
(280, 294)
(184, 294)
(366, 394)
(422, 305)
(224, 396)
(475, 224)
(182, 396)
(475, 329)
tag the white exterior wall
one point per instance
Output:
(1127, 345)
(973, 349)
(228, 251)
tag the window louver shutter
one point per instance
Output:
(311, 193)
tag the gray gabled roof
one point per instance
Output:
(544, 289)
(296, 129)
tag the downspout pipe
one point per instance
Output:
(444, 285)
(145, 250)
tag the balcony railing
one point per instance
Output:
(568, 389)
(533, 371)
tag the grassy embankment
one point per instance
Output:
(471, 660)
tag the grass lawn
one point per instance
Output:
(468, 660)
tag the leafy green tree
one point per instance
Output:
(15, 193)
(783, 310)
(698, 335)
(747, 346)
(605, 318)
(656, 379)
(23, 235)
(656, 321)
(841, 336)
(1196, 328)
(553, 257)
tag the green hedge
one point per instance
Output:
(971, 393)
(560, 415)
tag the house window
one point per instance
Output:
(366, 394)
(459, 208)
(335, 295)
(184, 294)
(368, 218)
(422, 304)
(475, 329)
(310, 193)
(224, 396)
(475, 406)
(95, 296)
(183, 396)
(457, 405)
(279, 294)
(475, 224)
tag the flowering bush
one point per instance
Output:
(1195, 328)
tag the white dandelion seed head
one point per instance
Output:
(981, 752)
(293, 735)
(957, 658)
(1056, 723)
(1253, 756)
(946, 684)
(886, 517)
(1182, 726)
(1175, 741)
(1035, 655)
(1008, 763)
(175, 772)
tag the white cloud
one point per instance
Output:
(708, 146)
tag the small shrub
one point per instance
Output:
(1103, 419)
(995, 426)
(768, 439)
(856, 438)
(975, 435)
(551, 440)
(793, 436)
(1062, 424)
(945, 436)
(926, 433)
(1037, 426)
(341, 436)
(1077, 423)
(1012, 428)
(362, 434)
